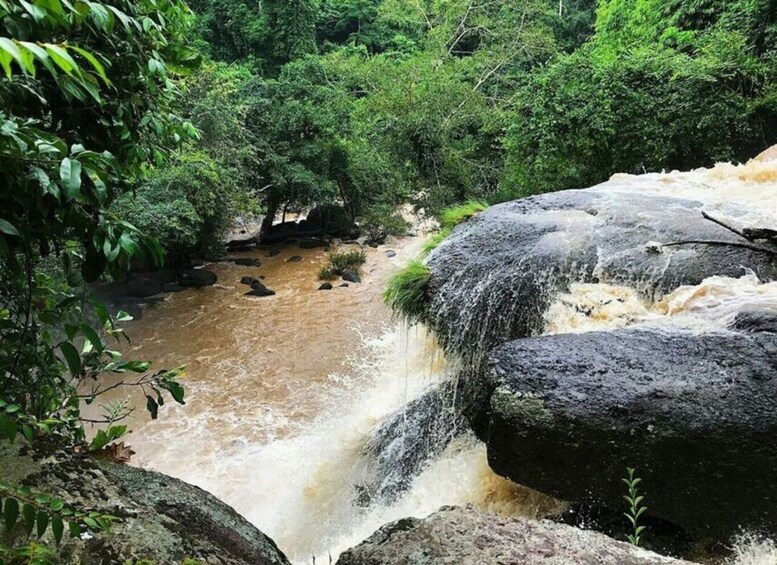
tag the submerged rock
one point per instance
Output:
(466, 536)
(161, 519)
(405, 442)
(245, 261)
(197, 278)
(294, 259)
(351, 276)
(258, 289)
(695, 414)
(325, 286)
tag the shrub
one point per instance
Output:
(341, 262)
(187, 205)
(406, 291)
(381, 222)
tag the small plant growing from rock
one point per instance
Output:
(339, 263)
(449, 219)
(636, 507)
(406, 291)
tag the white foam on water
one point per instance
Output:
(751, 549)
(743, 195)
(709, 306)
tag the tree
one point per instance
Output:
(86, 92)
(293, 28)
(297, 122)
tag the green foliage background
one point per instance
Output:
(373, 103)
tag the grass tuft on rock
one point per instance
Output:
(449, 219)
(406, 291)
(341, 262)
(453, 216)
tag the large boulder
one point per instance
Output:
(694, 413)
(493, 279)
(332, 219)
(322, 221)
(161, 519)
(466, 536)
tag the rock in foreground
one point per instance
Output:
(695, 414)
(464, 536)
(162, 520)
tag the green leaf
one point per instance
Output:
(8, 228)
(70, 173)
(152, 407)
(8, 428)
(57, 527)
(72, 357)
(41, 523)
(11, 513)
(62, 59)
(28, 512)
(92, 336)
(96, 64)
(176, 391)
(75, 529)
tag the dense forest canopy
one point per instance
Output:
(371, 103)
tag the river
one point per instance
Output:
(284, 394)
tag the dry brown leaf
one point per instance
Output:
(119, 452)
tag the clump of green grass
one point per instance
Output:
(453, 216)
(406, 291)
(341, 262)
(449, 219)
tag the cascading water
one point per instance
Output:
(320, 419)
(313, 414)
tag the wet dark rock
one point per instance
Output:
(197, 278)
(332, 219)
(344, 285)
(404, 442)
(322, 222)
(351, 276)
(294, 259)
(258, 289)
(274, 251)
(161, 519)
(389, 253)
(240, 244)
(313, 242)
(493, 279)
(325, 286)
(140, 287)
(246, 261)
(760, 320)
(172, 287)
(467, 536)
(247, 280)
(695, 414)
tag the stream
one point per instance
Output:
(284, 394)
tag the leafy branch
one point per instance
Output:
(38, 513)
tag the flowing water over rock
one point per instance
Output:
(630, 324)
(312, 413)
(320, 419)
